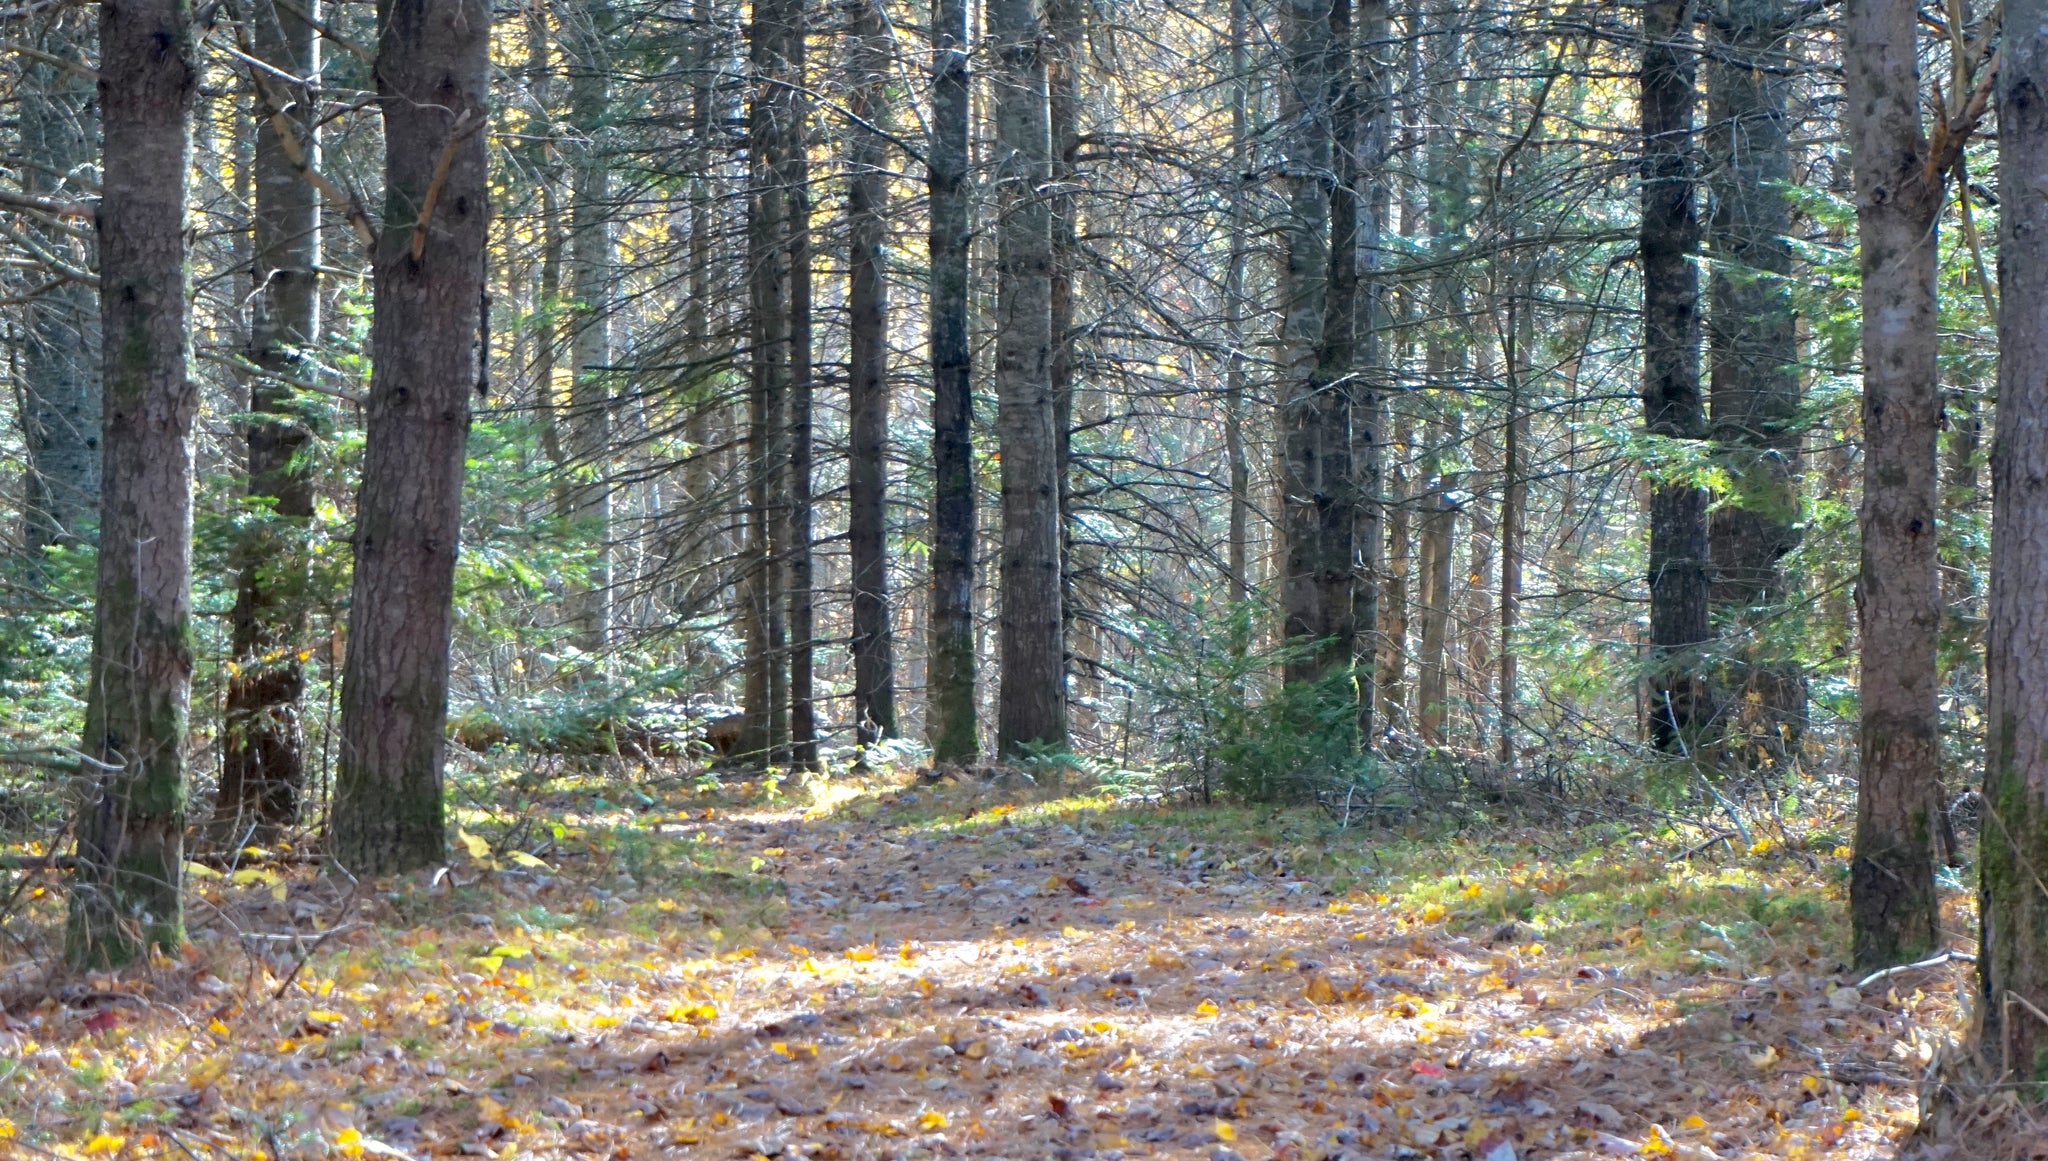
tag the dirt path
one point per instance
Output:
(954, 978)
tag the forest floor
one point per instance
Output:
(874, 970)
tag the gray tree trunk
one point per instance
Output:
(1680, 710)
(1753, 357)
(131, 827)
(1031, 705)
(2013, 961)
(263, 747)
(867, 300)
(587, 27)
(60, 375)
(1318, 489)
(950, 664)
(1893, 907)
(433, 84)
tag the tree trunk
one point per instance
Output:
(1439, 525)
(131, 828)
(803, 724)
(2013, 961)
(1031, 707)
(586, 30)
(60, 379)
(1363, 126)
(433, 82)
(950, 679)
(867, 299)
(1892, 904)
(771, 132)
(262, 754)
(1679, 706)
(1234, 306)
(1753, 356)
(1064, 53)
(1319, 491)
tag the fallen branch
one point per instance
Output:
(1933, 961)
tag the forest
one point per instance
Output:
(1255, 580)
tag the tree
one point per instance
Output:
(433, 77)
(60, 383)
(587, 31)
(867, 391)
(950, 713)
(263, 748)
(1893, 906)
(1679, 709)
(1318, 491)
(2013, 962)
(1031, 705)
(131, 827)
(1753, 368)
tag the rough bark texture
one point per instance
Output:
(1753, 355)
(263, 745)
(433, 82)
(949, 714)
(867, 305)
(586, 31)
(803, 724)
(1319, 492)
(771, 129)
(131, 829)
(1892, 904)
(60, 375)
(1234, 308)
(1063, 49)
(1679, 706)
(2014, 957)
(1031, 704)
(1363, 125)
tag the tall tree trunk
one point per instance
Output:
(1520, 339)
(950, 697)
(586, 32)
(60, 378)
(1064, 52)
(803, 724)
(2013, 962)
(771, 130)
(262, 756)
(1234, 306)
(131, 828)
(1439, 527)
(867, 302)
(1753, 355)
(1319, 491)
(1031, 706)
(1679, 706)
(433, 84)
(1363, 127)
(1892, 904)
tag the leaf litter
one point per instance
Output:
(931, 972)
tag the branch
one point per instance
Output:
(462, 129)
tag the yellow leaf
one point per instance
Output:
(1762, 1061)
(318, 1016)
(1224, 1130)
(1843, 853)
(511, 951)
(931, 1122)
(523, 859)
(6, 1129)
(1100, 1026)
(860, 954)
(218, 1028)
(1763, 846)
(478, 848)
(350, 1142)
(1319, 990)
(1072, 932)
(1206, 1008)
(201, 871)
(605, 1021)
(248, 875)
(774, 852)
(1432, 913)
(104, 1143)
(1472, 890)
(1339, 908)
(1694, 1122)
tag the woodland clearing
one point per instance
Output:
(877, 970)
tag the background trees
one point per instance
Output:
(1318, 400)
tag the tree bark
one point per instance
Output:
(1679, 707)
(433, 85)
(1064, 52)
(867, 303)
(1892, 903)
(1031, 706)
(263, 745)
(1319, 491)
(1753, 357)
(586, 31)
(803, 724)
(2013, 961)
(1363, 127)
(131, 828)
(60, 381)
(950, 664)
(1239, 465)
